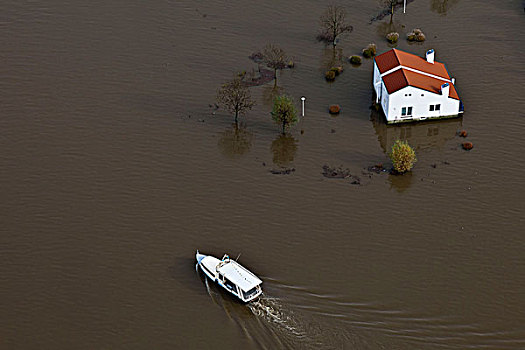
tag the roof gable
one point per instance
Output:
(395, 81)
(386, 61)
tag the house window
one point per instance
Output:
(438, 107)
(435, 107)
(409, 111)
(406, 111)
(431, 108)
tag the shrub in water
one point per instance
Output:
(330, 75)
(334, 109)
(337, 70)
(392, 37)
(403, 156)
(370, 50)
(416, 35)
(467, 145)
(355, 59)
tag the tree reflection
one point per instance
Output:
(235, 141)
(269, 93)
(400, 182)
(442, 6)
(331, 57)
(384, 28)
(284, 148)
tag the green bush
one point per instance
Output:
(392, 37)
(403, 156)
(337, 70)
(355, 59)
(284, 112)
(369, 51)
(330, 75)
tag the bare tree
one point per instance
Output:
(442, 6)
(391, 4)
(333, 24)
(235, 97)
(275, 58)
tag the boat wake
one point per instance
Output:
(267, 321)
(289, 317)
(272, 311)
(356, 322)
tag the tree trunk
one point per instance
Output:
(275, 75)
(236, 114)
(284, 126)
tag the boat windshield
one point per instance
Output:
(247, 295)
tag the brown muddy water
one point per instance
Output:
(114, 170)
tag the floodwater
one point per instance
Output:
(114, 169)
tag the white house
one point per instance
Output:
(410, 87)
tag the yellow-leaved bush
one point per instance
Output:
(403, 156)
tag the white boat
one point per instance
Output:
(230, 275)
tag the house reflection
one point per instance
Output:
(235, 141)
(284, 148)
(420, 135)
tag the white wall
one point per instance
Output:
(385, 98)
(420, 101)
(377, 79)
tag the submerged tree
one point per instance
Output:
(442, 6)
(391, 4)
(403, 156)
(275, 58)
(284, 112)
(333, 24)
(235, 97)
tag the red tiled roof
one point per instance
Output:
(386, 61)
(402, 78)
(393, 58)
(395, 81)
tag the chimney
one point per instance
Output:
(430, 56)
(445, 88)
(453, 81)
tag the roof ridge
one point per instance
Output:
(404, 76)
(397, 58)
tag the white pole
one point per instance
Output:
(404, 6)
(302, 99)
